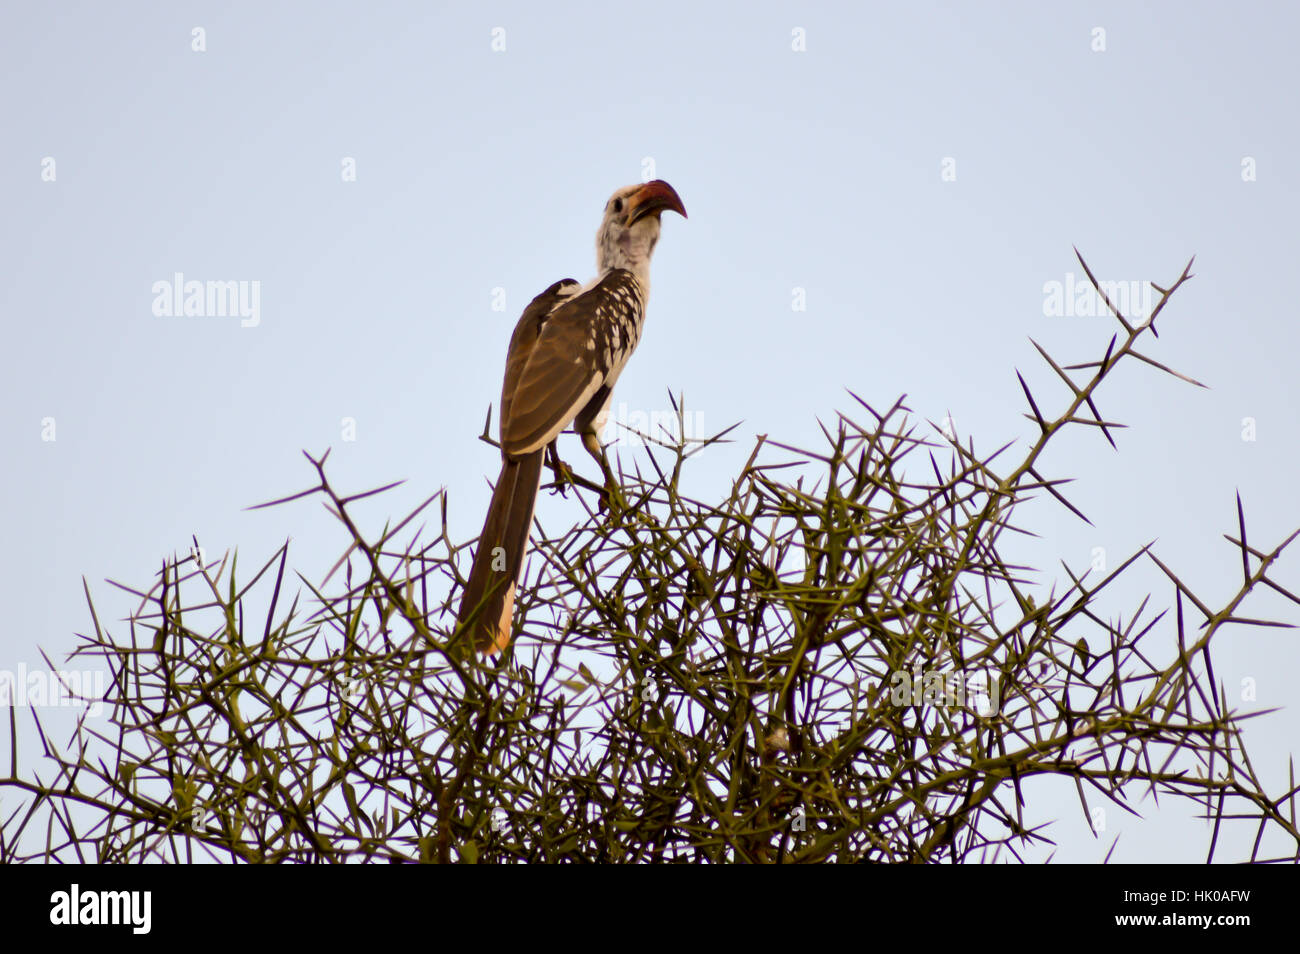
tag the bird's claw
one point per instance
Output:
(611, 497)
(562, 472)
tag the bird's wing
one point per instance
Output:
(562, 350)
(524, 340)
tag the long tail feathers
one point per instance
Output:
(489, 597)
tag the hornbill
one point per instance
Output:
(568, 349)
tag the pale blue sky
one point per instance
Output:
(478, 169)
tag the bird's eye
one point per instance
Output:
(618, 205)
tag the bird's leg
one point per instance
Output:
(611, 497)
(562, 471)
(589, 424)
(564, 475)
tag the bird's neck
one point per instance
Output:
(630, 250)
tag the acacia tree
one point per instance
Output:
(833, 662)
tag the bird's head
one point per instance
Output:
(630, 228)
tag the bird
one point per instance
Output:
(566, 353)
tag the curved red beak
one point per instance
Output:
(652, 198)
